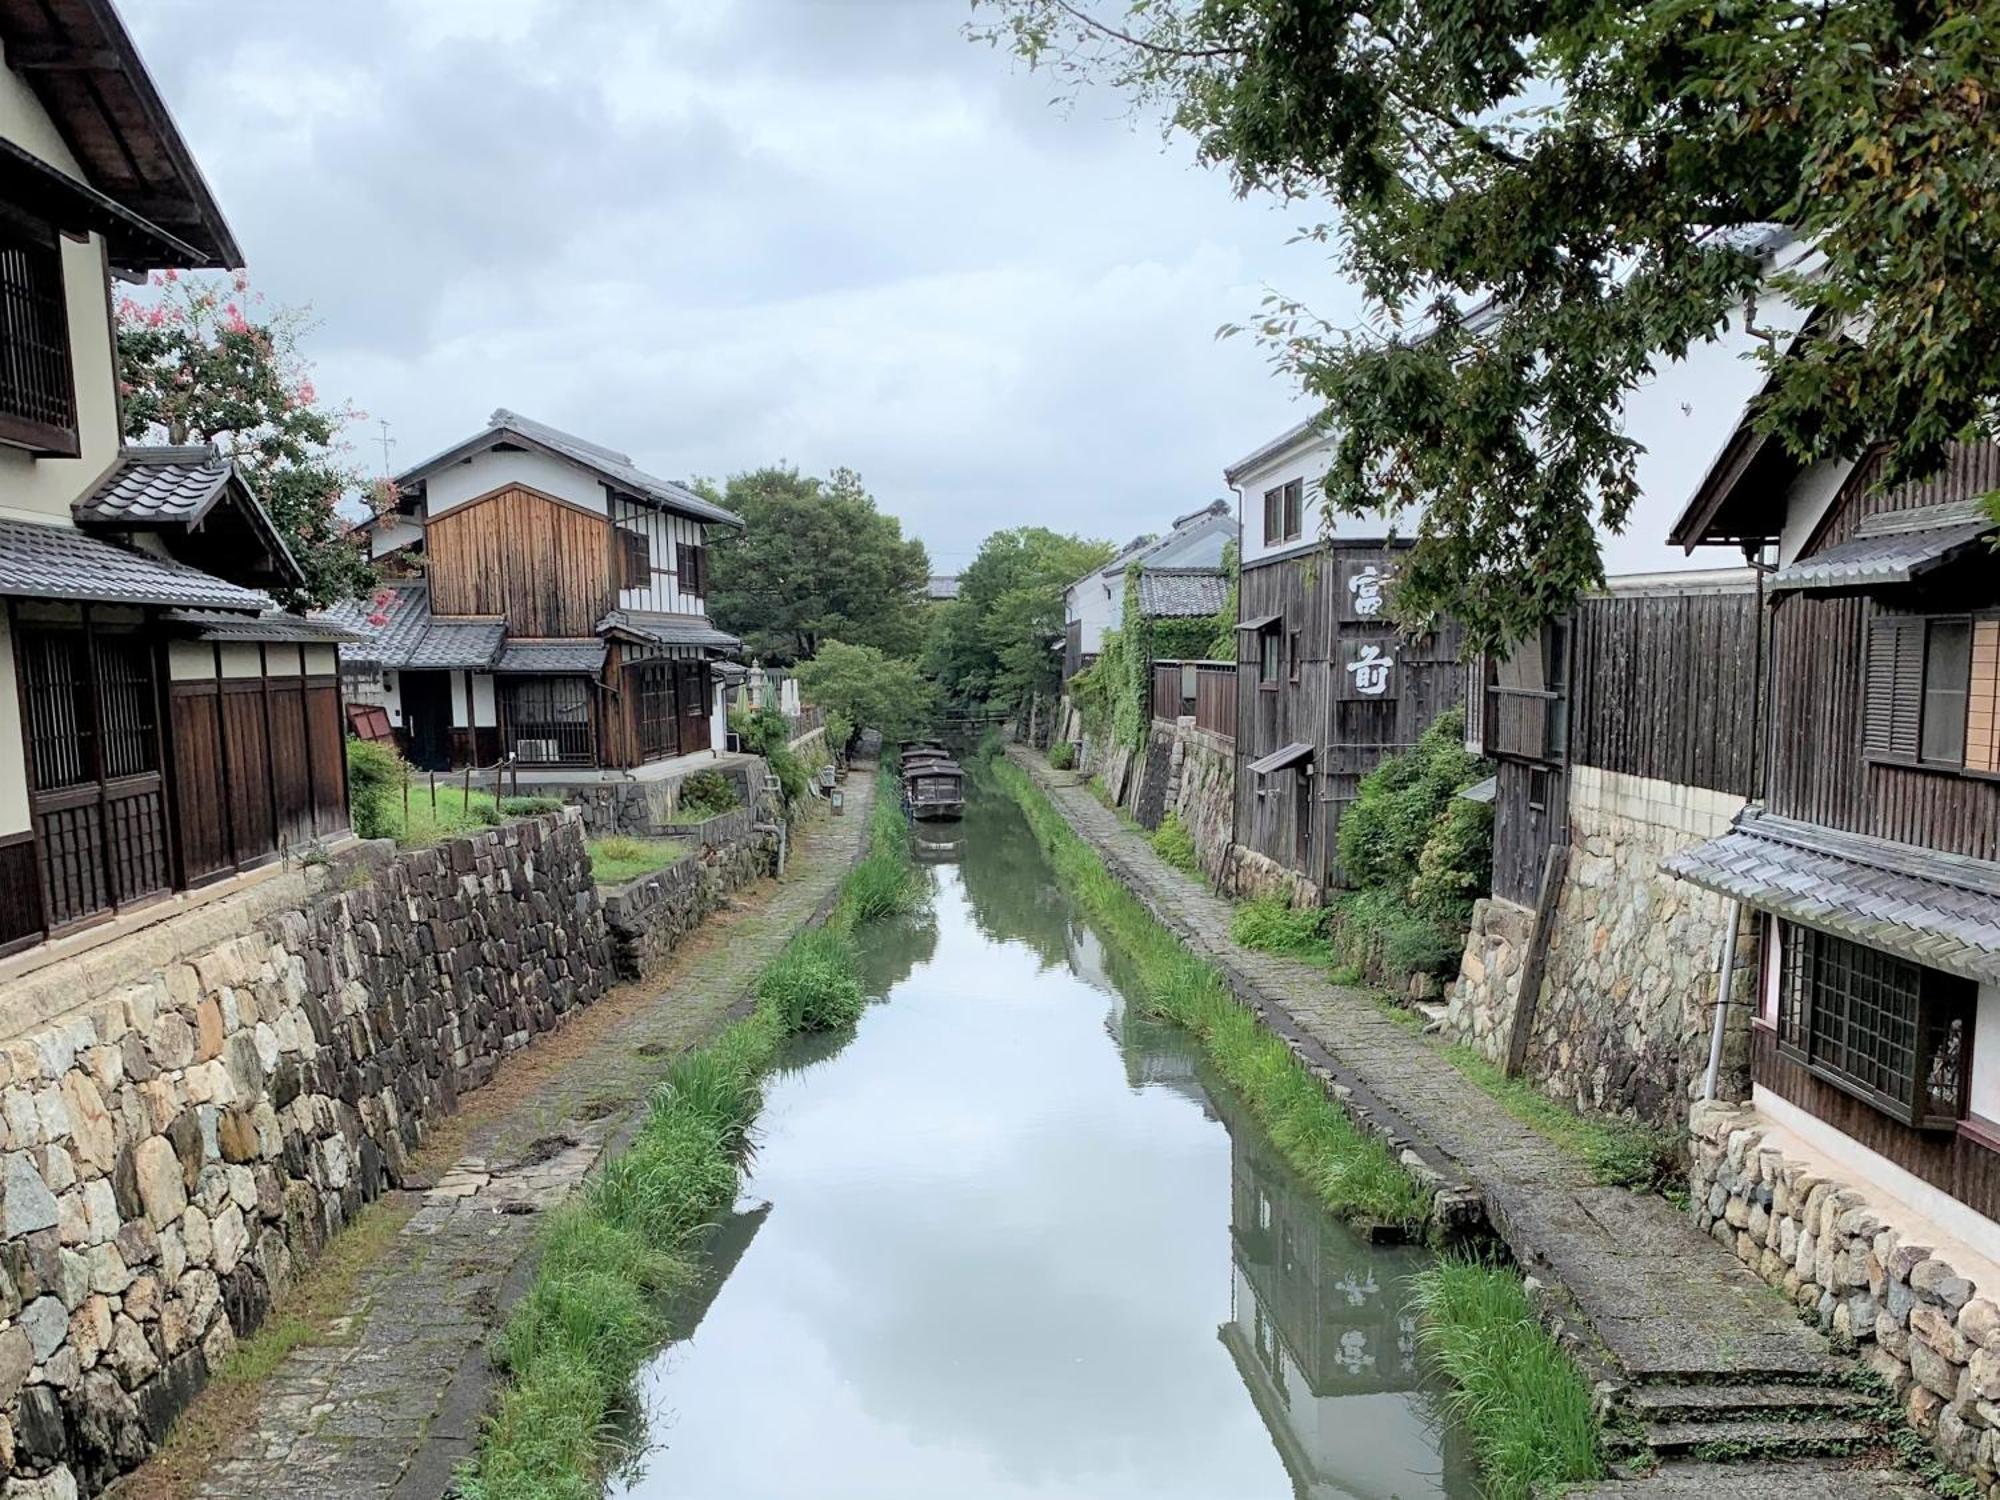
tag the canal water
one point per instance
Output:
(1010, 1239)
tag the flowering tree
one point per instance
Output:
(200, 361)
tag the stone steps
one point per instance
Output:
(1747, 1437)
(1707, 1403)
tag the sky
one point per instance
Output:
(719, 234)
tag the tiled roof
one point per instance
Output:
(1939, 910)
(154, 485)
(60, 562)
(409, 635)
(1893, 547)
(605, 462)
(667, 630)
(1182, 593)
(272, 625)
(551, 656)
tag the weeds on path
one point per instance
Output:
(1527, 1407)
(609, 1258)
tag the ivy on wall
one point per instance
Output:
(1114, 696)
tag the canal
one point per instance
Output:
(1011, 1239)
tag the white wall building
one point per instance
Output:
(1095, 603)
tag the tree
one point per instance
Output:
(1597, 175)
(816, 561)
(199, 364)
(868, 690)
(995, 645)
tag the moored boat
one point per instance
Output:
(933, 788)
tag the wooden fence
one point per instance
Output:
(1202, 690)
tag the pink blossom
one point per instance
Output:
(378, 619)
(307, 395)
(169, 276)
(241, 281)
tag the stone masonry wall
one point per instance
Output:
(1622, 1021)
(1201, 792)
(650, 917)
(644, 809)
(1930, 1333)
(173, 1148)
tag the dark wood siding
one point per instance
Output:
(541, 563)
(1311, 703)
(1955, 1163)
(1530, 813)
(1820, 769)
(20, 908)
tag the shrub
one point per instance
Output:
(1384, 926)
(376, 776)
(1273, 925)
(530, 807)
(1456, 862)
(707, 794)
(1383, 834)
(1174, 844)
(617, 859)
(1062, 755)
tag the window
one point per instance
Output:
(1292, 654)
(37, 390)
(1884, 1029)
(635, 559)
(1282, 507)
(692, 568)
(1947, 681)
(1555, 675)
(1270, 666)
(548, 720)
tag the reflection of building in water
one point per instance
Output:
(1154, 1052)
(1322, 1334)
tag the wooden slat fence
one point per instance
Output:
(1212, 705)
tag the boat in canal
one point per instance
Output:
(934, 789)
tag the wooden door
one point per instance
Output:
(692, 682)
(427, 719)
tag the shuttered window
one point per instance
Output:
(636, 559)
(691, 565)
(37, 388)
(1895, 706)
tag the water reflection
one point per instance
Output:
(992, 1263)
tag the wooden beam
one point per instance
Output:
(1536, 960)
(61, 57)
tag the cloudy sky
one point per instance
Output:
(723, 233)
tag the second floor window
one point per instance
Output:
(635, 559)
(1933, 691)
(692, 568)
(37, 388)
(1282, 513)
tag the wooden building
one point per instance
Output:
(1874, 859)
(170, 728)
(1326, 686)
(558, 621)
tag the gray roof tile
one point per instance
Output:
(1892, 547)
(1182, 593)
(272, 625)
(60, 562)
(667, 630)
(1941, 910)
(394, 629)
(551, 656)
(150, 486)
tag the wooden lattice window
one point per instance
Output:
(37, 386)
(1889, 1031)
(56, 695)
(548, 721)
(1982, 717)
(691, 563)
(659, 710)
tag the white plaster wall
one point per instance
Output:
(1986, 1054)
(1807, 503)
(13, 765)
(1097, 604)
(322, 661)
(485, 472)
(666, 534)
(241, 659)
(484, 714)
(1199, 544)
(392, 532)
(44, 489)
(1306, 462)
(190, 661)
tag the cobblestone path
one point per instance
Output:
(1666, 1304)
(393, 1403)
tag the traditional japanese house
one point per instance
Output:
(170, 728)
(557, 618)
(1326, 685)
(1872, 859)
(1095, 603)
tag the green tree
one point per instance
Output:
(200, 362)
(1598, 174)
(867, 689)
(816, 562)
(997, 644)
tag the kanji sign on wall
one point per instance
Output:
(1364, 589)
(1367, 669)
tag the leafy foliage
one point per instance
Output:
(199, 361)
(376, 776)
(1062, 755)
(868, 690)
(764, 731)
(1172, 842)
(705, 795)
(993, 648)
(1399, 807)
(816, 562)
(1601, 176)
(619, 858)
(1273, 925)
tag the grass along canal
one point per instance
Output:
(1012, 1233)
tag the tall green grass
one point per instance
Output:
(1353, 1171)
(611, 1257)
(1527, 1408)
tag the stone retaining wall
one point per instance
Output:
(646, 808)
(1926, 1330)
(174, 1148)
(1201, 792)
(650, 917)
(1626, 1004)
